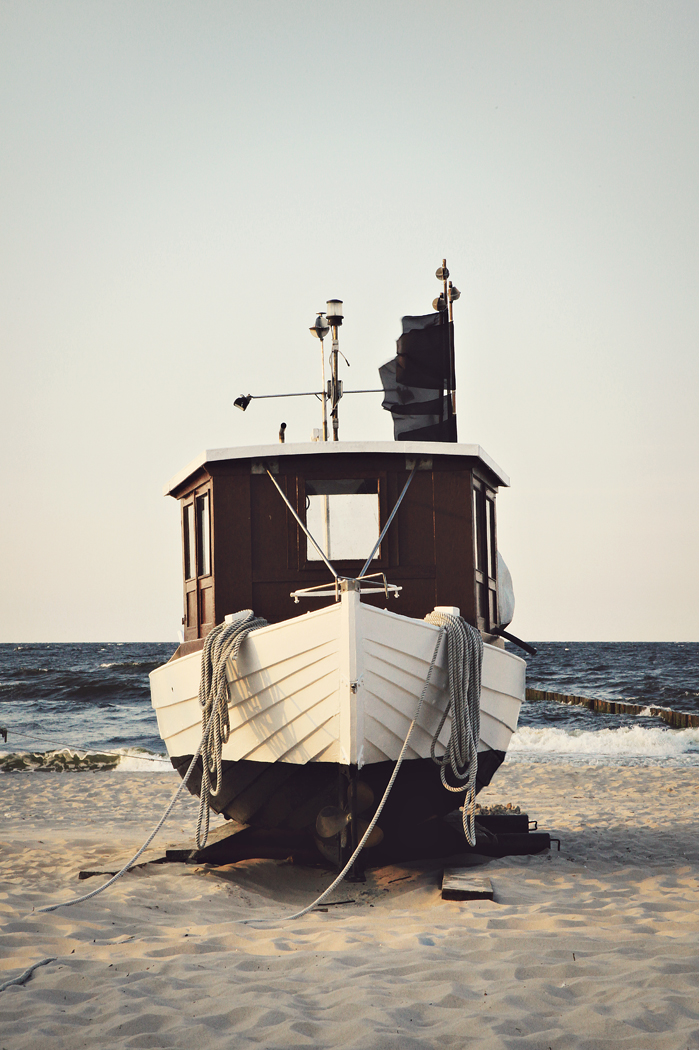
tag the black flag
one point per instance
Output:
(415, 380)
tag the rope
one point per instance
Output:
(222, 644)
(214, 664)
(156, 829)
(464, 661)
(379, 808)
(26, 974)
(224, 641)
(303, 527)
(464, 655)
(387, 526)
(76, 749)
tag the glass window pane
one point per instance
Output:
(479, 528)
(490, 532)
(481, 602)
(188, 530)
(492, 608)
(340, 486)
(203, 536)
(344, 524)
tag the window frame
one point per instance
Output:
(345, 566)
(485, 554)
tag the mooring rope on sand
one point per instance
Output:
(26, 974)
(379, 808)
(146, 844)
(464, 657)
(226, 638)
(210, 723)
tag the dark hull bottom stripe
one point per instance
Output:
(287, 797)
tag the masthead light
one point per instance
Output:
(334, 311)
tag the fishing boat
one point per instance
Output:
(344, 548)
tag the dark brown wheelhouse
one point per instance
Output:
(242, 548)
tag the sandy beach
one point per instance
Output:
(592, 947)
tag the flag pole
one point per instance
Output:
(452, 355)
(445, 320)
(447, 317)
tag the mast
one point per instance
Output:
(334, 316)
(445, 305)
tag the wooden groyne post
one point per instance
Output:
(676, 719)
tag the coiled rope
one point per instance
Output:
(214, 658)
(222, 644)
(464, 658)
(244, 627)
(146, 844)
(464, 663)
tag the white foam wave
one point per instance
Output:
(635, 745)
(68, 759)
(133, 762)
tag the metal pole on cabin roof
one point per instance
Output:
(335, 400)
(454, 294)
(442, 304)
(335, 318)
(449, 317)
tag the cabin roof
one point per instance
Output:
(336, 448)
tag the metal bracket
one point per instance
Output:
(418, 462)
(261, 466)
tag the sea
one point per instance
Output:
(86, 707)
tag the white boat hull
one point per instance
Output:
(339, 685)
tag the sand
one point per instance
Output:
(594, 946)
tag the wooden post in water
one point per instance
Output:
(676, 719)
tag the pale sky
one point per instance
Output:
(183, 184)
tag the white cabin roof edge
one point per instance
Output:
(330, 448)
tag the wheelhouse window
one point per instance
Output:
(190, 565)
(203, 535)
(343, 518)
(485, 556)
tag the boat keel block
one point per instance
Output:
(460, 884)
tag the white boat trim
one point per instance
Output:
(417, 449)
(340, 684)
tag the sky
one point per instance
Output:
(184, 184)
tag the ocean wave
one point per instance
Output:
(69, 760)
(148, 665)
(630, 745)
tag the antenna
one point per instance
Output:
(335, 316)
(332, 391)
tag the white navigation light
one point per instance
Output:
(334, 311)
